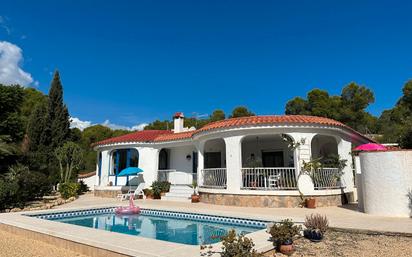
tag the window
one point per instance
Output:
(124, 158)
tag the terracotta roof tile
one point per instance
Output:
(261, 120)
(139, 136)
(174, 136)
(167, 135)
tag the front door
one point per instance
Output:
(272, 159)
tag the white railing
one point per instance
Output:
(176, 177)
(269, 178)
(213, 178)
(326, 178)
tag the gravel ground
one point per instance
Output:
(343, 244)
(12, 245)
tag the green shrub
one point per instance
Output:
(283, 232)
(163, 186)
(20, 185)
(238, 246)
(83, 188)
(68, 190)
(317, 222)
(8, 193)
(157, 190)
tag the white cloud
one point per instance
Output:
(80, 124)
(10, 71)
(108, 124)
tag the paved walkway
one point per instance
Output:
(340, 217)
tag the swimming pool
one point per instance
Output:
(178, 227)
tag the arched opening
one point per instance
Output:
(215, 154)
(267, 151)
(163, 160)
(121, 159)
(324, 148)
(268, 162)
(214, 164)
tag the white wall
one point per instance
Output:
(177, 158)
(90, 182)
(358, 180)
(386, 182)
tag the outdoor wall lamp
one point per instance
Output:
(188, 157)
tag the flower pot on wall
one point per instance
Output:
(311, 203)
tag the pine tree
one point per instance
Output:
(58, 114)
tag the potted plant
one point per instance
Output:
(148, 192)
(157, 191)
(282, 235)
(310, 168)
(316, 226)
(195, 195)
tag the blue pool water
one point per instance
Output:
(185, 229)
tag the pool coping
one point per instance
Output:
(115, 244)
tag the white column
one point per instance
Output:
(98, 165)
(344, 151)
(358, 180)
(233, 163)
(104, 180)
(148, 162)
(303, 152)
(200, 161)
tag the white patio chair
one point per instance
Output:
(136, 193)
(273, 180)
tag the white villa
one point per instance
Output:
(248, 161)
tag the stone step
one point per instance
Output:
(178, 194)
(183, 191)
(175, 199)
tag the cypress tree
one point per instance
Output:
(38, 127)
(58, 114)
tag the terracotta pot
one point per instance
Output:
(287, 249)
(195, 198)
(311, 203)
(157, 197)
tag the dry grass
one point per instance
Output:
(343, 244)
(12, 245)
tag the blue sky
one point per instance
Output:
(131, 62)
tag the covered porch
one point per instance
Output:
(270, 164)
(178, 165)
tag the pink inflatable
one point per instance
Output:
(131, 209)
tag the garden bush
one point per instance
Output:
(317, 222)
(238, 246)
(20, 185)
(283, 232)
(69, 189)
(163, 186)
(83, 188)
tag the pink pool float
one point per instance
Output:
(129, 210)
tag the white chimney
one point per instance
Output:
(178, 120)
